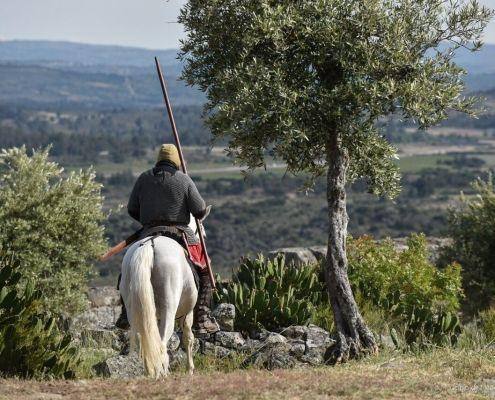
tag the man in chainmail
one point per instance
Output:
(162, 200)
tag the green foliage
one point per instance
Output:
(52, 222)
(31, 344)
(398, 290)
(487, 323)
(272, 294)
(472, 228)
(408, 287)
(286, 76)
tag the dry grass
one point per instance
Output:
(442, 374)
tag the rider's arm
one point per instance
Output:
(195, 202)
(133, 207)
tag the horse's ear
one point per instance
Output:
(208, 209)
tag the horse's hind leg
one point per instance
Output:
(188, 338)
(166, 327)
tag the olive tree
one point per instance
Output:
(52, 222)
(307, 82)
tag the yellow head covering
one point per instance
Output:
(168, 152)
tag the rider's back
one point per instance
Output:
(164, 195)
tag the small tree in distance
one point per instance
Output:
(308, 81)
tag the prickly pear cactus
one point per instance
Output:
(271, 294)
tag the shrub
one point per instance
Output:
(408, 287)
(31, 343)
(487, 323)
(52, 222)
(398, 290)
(272, 294)
(472, 228)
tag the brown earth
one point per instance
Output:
(445, 375)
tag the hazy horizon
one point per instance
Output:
(150, 25)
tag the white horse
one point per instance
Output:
(158, 287)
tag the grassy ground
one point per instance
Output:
(440, 374)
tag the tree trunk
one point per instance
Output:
(354, 337)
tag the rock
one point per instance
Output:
(100, 296)
(386, 342)
(95, 318)
(224, 313)
(214, 350)
(251, 345)
(312, 358)
(320, 252)
(272, 356)
(318, 345)
(297, 348)
(275, 338)
(122, 367)
(295, 332)
(176, 359)
(101, 339)
(259, 334)
(318, 337)
(231, 340)
(297, 256)
(174, 342)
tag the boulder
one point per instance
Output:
(95, 318)
(297, 348)
(251, 345)
(275, 338)
(320, 252)
(208, 348)
(100, 296)
(224, 313)
(272, 356)
(297, 256)
(101, 339)
(122, 367)
(295, 332)
(230, 340)
(318, 345)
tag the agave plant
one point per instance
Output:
(31, 343)
(271, 294)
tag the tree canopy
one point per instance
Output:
(282, 75)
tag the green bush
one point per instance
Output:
(31, 344)
(471, 226)
(487, 323)
(397, 290)
(272, 294)
(52, 222)
(407, 287)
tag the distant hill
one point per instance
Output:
(67, 53)
(64, 75)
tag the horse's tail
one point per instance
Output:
(143, 309)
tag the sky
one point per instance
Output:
(141, 23)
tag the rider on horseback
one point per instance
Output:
(162, 200)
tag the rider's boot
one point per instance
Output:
(204, 323)
(122, 322)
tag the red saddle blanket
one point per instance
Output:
(197, 255)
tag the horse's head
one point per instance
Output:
(194, 226)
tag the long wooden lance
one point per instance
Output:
(182, 162)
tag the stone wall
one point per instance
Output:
(291, 346)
